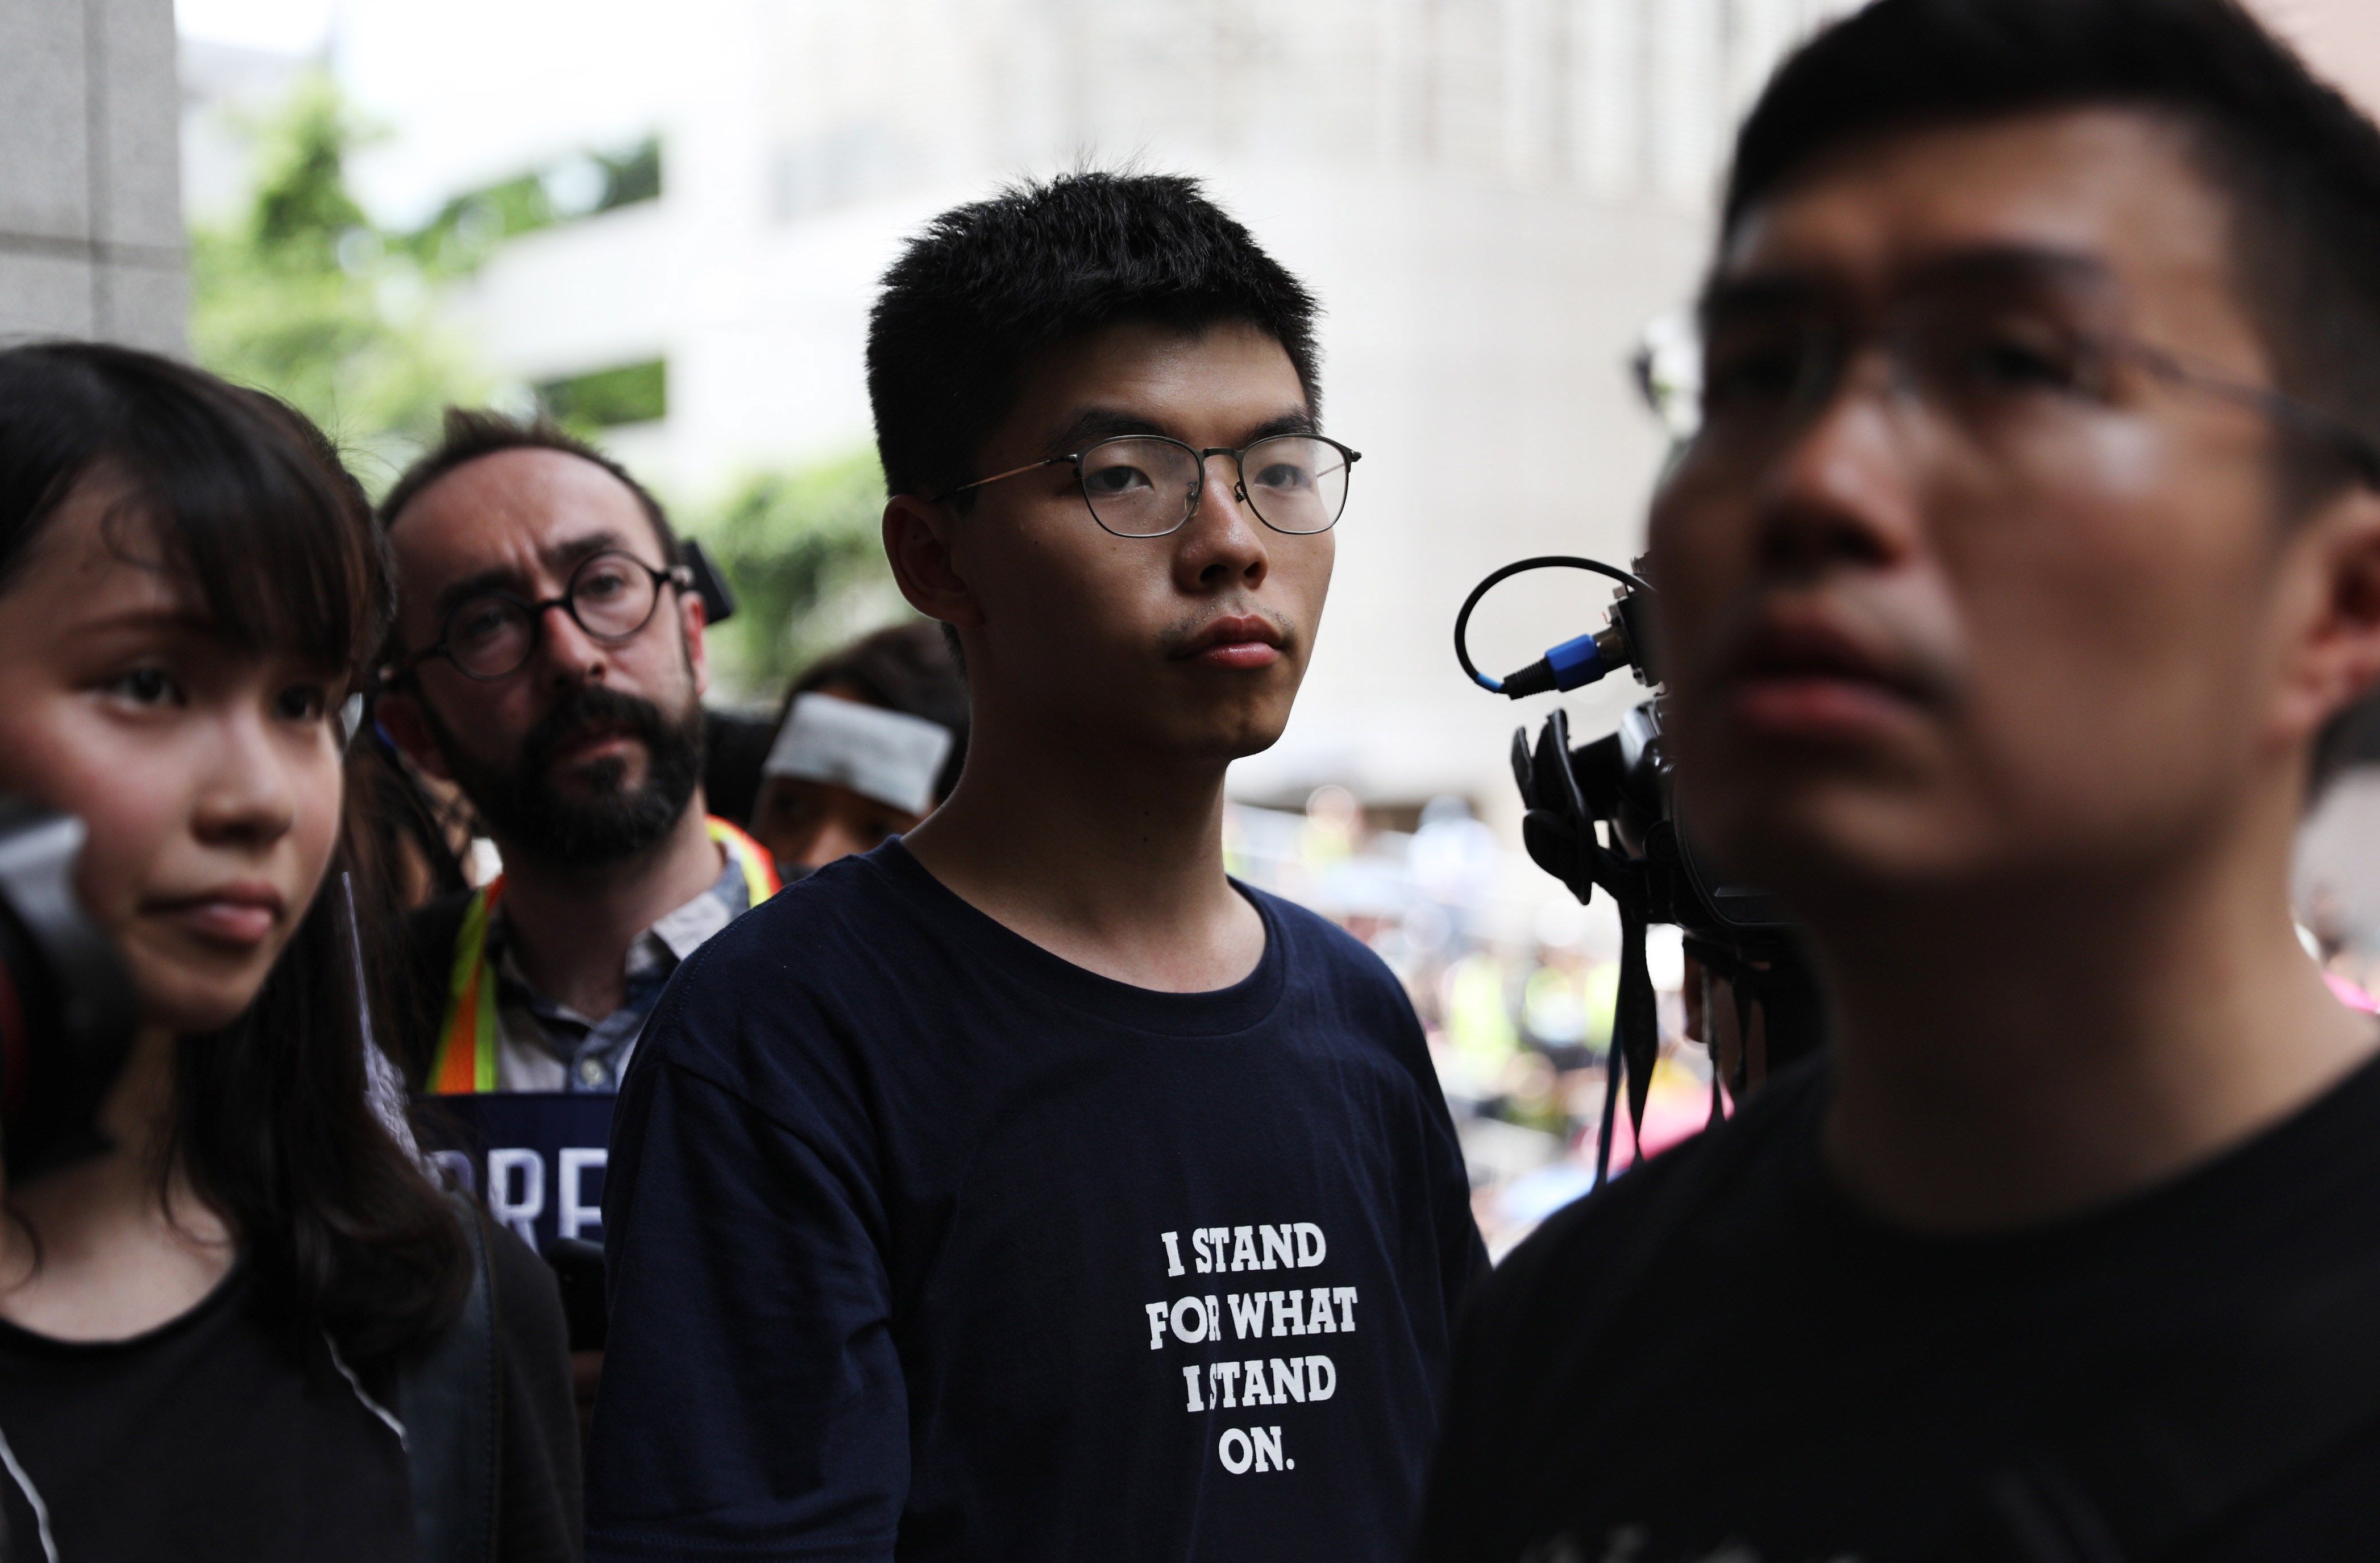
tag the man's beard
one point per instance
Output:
(599, 821)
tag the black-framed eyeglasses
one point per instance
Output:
(1732, 393)
(610, 595)
(1148, 485)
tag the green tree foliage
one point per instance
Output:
(630, 393)
(470, 226)
(803, 550)
(301, 295)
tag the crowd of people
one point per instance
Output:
(1516, 986)
(561, 1120)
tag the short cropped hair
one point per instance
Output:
(989, 286)
(2299, 165)
(469, 433)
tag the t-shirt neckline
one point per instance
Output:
(1214, 1013)
(2283, 1150)
(226, 1293)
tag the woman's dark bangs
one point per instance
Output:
(253, 505)
(244, 496)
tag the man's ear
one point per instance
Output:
(918, 542)
(399, 716)
(693, 617)
(2338, 656)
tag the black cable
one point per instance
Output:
(1543, 561)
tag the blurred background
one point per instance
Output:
(664, 224)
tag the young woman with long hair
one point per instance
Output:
(252, 1327)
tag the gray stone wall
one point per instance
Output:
(91, 215)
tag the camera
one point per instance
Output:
(1603, 814)
(66, 1004)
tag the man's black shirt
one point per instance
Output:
(926, 1243)
(1722, 1357)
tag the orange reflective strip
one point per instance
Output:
(459, 1049)
(466, 1060)
(466, 1042)
(760, 880)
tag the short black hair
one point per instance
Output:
(2298, 163)
(471, 432)
(990, 284)
(2300, 166)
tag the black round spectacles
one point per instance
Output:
(610, 595)
(1148, 485)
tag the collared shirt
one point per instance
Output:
(545, 1046)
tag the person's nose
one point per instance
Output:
(247, 789)
(1223, 544)
(567, 656)
(1844, 490)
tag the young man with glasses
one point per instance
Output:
(1027, 1189)
(548, 661)
(2010, 590)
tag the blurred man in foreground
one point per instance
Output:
(1024, 1189)
(2028, 548)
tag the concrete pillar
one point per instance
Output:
(91, 218)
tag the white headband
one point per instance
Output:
(887, 755)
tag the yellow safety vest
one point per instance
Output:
(467, 1039)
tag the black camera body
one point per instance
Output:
(1624, 782)
(1604, 814)
(66, 1006)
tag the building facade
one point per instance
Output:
(91, 218)
(1492, 198)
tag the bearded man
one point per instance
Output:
(548, 661)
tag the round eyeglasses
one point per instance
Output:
(1148, 485)
(610, 595)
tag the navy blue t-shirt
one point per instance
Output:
(928, 1243)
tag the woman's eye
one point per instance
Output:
(302, 702)
(146, 686)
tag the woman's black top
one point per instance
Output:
(232, 1433)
